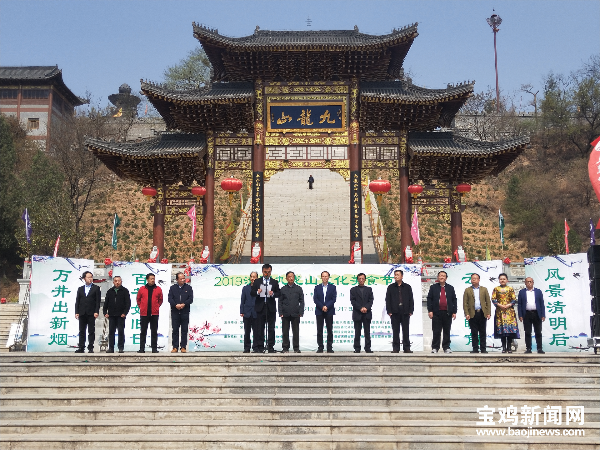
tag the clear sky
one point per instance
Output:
(101, 44)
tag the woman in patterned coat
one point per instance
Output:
(505, 321)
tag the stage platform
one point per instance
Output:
(233, 400)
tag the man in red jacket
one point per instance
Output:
(149, 298)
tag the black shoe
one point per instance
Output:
(282, 351)
(141, 351)
(154, 351)
(79, 350)
(395, 351)
(541, 352)
(408, 351)
(110, 351)
(320, 350)
(91, 351)
(271, 350)
(356, 351)
(296, 351)
(474, 351)
(484, 351)
(369, 351)
(528, 350)
(330, 351)
(503, 350)
(121, 350)
(247, 351)
(258, 351)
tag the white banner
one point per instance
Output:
(52, 325)
(133, 275)
(564, 281)
(459, 276)
(216, 325)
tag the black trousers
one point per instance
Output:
(329, 324)
(478, 324)
(398, 320)
(441, 321)
(116, 323)
(87, 321)
(285, 328)
(310, 185)
(180, 320)
(248, 327)
(259, 331)
(532, 318)
(153, 321)
(364, 324)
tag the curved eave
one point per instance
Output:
(415, 95)
(199, 97)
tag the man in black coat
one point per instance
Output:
(180, 297)
(291, 308)
(117, 303)
(87, 309)
(441, 307)
(361, 298)
(266, 290)
(400, 306)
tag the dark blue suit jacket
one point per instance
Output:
(539, 302)
(247, 304)
(329, 299)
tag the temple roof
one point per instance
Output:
(38, 76)
(446, 157)
(306, 55)
(168, 158)
(395, 105)
(219, 107)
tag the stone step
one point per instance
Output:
(242, 388)
(251, 379)
(183, 441)
(280, 427)
(125, 366)
(268, 412)
(588, 399)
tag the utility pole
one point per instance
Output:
(494, 21)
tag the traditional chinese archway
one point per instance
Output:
(311, 99)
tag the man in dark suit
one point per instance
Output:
(180, 297)
(361, 298)
(266, 290)
(248, 313)
(477, 307)
(117, 303)
(324, 297)
(532, 311)
(441, 308)
(399, 305)
(87, 309)
(291, 309)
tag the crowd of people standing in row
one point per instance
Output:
(262, 300)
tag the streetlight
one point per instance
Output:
(494, 21)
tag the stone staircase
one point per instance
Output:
(9, 314)
(306, 226)
(296, 401)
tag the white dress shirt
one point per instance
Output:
(476, 295)
(530, 300)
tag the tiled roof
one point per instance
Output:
(216, 92)
(38, 75)
(165, 145)
(301, 39)
(402, 91)
(447, 143)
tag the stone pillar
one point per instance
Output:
(258, 169)
(158, 229)
(355, 170)
(403, 159)
(208, 201)
(456, 234)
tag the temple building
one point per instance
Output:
(334, 100)
(38, 97)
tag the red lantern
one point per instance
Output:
(110, 272)
(463, 188)
(198, 191)
(415, 189)
(447, 260)
(107, 262)
(507, 260)
(380, 187)
(149, 192)
(164, 261)
(231, 185)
